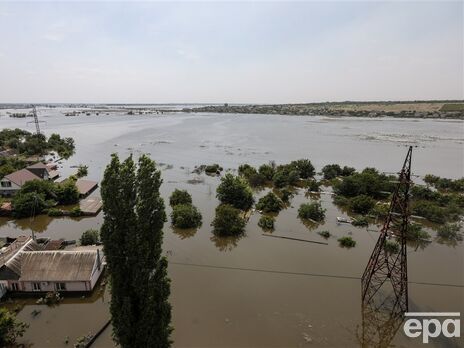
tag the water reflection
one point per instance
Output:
(226, 243)
(184, 233)
(381, 318)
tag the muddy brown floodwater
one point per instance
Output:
(255, 291)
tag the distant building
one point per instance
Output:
(12, 183)
(26, 267)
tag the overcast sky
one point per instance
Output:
(243, 52)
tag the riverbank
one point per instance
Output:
(426, 109)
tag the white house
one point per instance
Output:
(32, 270)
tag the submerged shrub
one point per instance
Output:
(325, 234)
(235, 191)
(362, 204)
(75, 212)
(185, 216)
(360, 222)
(180, 197)
(90, 237)
(228, 221)
(450, 232)
(55, 212)
(270, 203)
(347, 242)
(311, 211)
(392, 247)
(266, 222)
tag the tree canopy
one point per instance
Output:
(132, 236)
(235, 191)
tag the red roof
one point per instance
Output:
(22, 176)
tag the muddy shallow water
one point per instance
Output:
(255, 290)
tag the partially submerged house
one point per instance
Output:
(26, 267)
(12, 183)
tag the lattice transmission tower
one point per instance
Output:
(387, 271)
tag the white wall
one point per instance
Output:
(50, 286)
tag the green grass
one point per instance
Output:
(452, 107)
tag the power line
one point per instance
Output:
(322, 275)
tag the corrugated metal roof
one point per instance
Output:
(14, 262)
(57, 265)
(22, 176)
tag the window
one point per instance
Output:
(14, 286)
(60, 286)
(6, 184)
(36, 287)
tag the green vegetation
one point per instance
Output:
(82, 171)
(28, 144)
(228, 221)
(180, 197)
(360, 221)
(213, 169)
(90, 237)
(311, 211)
(235, 191)
(75, 212)
(452, 107)
(392, 247)
(55, 212)
(267, 171)
(270, 203)
(304, 168)
(37, 195)
(9, 165)
(332, 171)
(347, 242)
(325, 234)
(132, 236)
(362, 204)
(430, 211)
(10, 328)
(450, 233)
(254, 178)
(185, 216)
(369, 182)
(314, 186)
(415, 233)
(444, 183)
(266, 222)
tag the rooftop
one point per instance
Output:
(22, 176)
(59, 265)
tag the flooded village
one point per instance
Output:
(300, 288)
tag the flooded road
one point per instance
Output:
(254, 290)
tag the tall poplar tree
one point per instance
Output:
(132, 237)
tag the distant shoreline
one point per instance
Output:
(427, 109)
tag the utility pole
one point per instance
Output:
(36, 119)
(385, 269)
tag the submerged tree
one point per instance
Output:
(132, 237)
(10, 328)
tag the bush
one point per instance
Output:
(228, 221)
(267, 171)
(246, 170)
(360, 222)
(369, 182)
(185, 216)
(416, 233)
(82, 171)
(285, 176)
(270, 203)
(10, 328)
(180, 197)
(28, 204)
(429, 210)
(55, 212)
(90, 237)
(75, 212)
(304, 168)
(266, 222)
(347, 242)
(450, 232)
(67, 192)
(331, 171)
(285, 195)
(325, 234)
(362, 204)
(314, 186)
(235, 191)
(392, 247)
(213, 169)
(311, 211)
